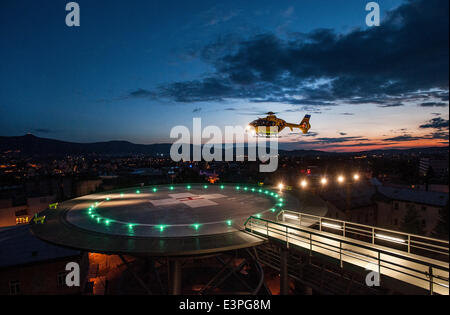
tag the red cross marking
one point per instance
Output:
(189, 198)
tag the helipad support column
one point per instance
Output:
(175, 277)
(284, 278)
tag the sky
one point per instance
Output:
(135, 69)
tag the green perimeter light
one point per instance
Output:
(130, 226)
(107, 222)
(196, 226)
(171, 188)
(155, 190)
(138, 191)
(258, 215)
(188, 187)
(273, 210)
(229, 222)
(161, 227)
(237, 187)
(222, 186)
(253, 189)
(108, 199)
(206, 186)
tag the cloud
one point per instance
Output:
(386, 64)
(436, 123)
(433, 104)
(403, 138)
(391, 105)
(288, 12)
(44, 130)
(197, 110)
(141, 93)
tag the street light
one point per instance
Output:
(324, 181)
(280, 186)
(356, 177)
(341, 179)
(304, 183)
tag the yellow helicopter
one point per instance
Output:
(272, 125)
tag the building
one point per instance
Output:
(20, 211)
(394, 203)
(352, 202)
(439, 168)
(371, 203)
(30, 266)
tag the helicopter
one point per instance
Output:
(262, 126)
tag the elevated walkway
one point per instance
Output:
(416, 260)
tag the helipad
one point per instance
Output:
(162, 220)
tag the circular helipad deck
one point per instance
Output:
(162, 220)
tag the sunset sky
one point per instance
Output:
(134, 69)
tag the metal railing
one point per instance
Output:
(410, 243)
(362, 246)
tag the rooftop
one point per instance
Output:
(18, 246)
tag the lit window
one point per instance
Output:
(22, 220)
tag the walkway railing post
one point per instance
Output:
(287, 237)
(409, 243)
(373, 235)
(430, 271)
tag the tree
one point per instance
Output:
(441, 229)
(412, 222)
